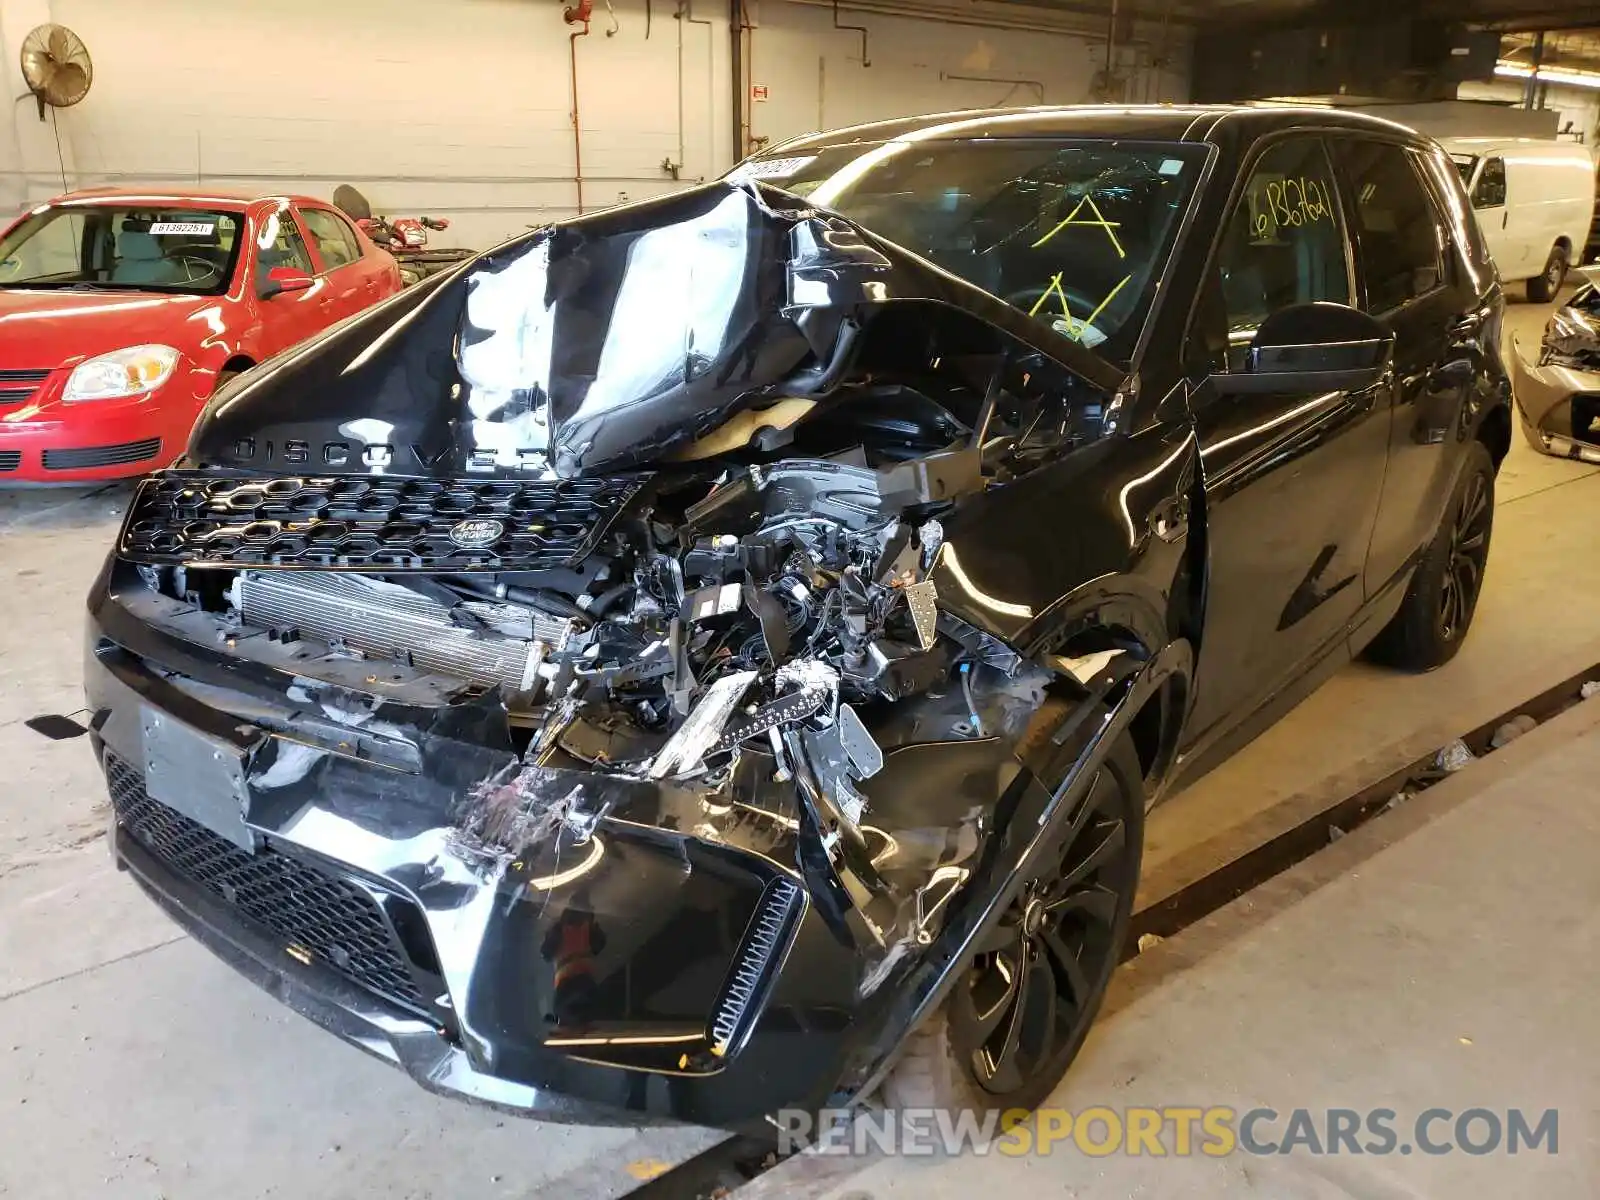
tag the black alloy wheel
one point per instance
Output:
(1439, 604)
(1469, 554)
(1020, 1011)
(1027, 1001)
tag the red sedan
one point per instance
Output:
(122, 311)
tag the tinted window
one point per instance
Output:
(282, 245)
(332, 236)
(1075, 234)
(1284, 243)
(1396, 228)
(1490, 191)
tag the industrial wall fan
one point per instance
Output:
(56, 66)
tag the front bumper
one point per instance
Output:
(47, 442)
(1558, 407)
(592, 990)
(347, 1011)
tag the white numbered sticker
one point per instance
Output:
(769, 168)
(183, 228)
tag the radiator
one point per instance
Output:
(393, 622)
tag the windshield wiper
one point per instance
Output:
(56, 285)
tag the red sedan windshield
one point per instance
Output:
(138, 247)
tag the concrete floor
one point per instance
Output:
(121, 1036)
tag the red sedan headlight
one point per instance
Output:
(127, 372)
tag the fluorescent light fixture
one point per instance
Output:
(1584, 79)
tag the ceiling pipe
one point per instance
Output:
(685, 16)
(739, 31)
(866, 57)
(1530, 90)
(1036, 84)
(1089, 22)
(582, 12)
(1111, 45)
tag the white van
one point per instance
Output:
(1534, 201)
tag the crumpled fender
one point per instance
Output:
(1102, 715)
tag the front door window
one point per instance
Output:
(1284, 244)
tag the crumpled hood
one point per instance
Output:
(595, 345)
(47, 329)
(1574, 334)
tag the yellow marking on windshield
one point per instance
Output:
(1099, 222)
(1055, 286)
(1055, 290)
(1089, 320)
(1075, 327)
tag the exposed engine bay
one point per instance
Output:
(792, 601)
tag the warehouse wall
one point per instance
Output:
(462, 108)
(1578, 108)
(815, 76)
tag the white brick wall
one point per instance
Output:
(460, 108)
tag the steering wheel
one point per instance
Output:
(197, 270)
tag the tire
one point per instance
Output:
(224, 378)
(939, 1066)
(1542, 288)
(1430, 626)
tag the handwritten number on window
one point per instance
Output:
(1290, 202)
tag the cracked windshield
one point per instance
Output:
(1073, 233)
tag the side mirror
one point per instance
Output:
(1312, 348)
(282, 280)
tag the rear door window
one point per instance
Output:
(282, 245)
(1394, 220)
(335, 241)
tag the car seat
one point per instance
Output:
(140, 260)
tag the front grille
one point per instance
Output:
(10, 460)
(764, 943)
(366, 522)
(101, 456)
(334, 920)
(18, 386)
